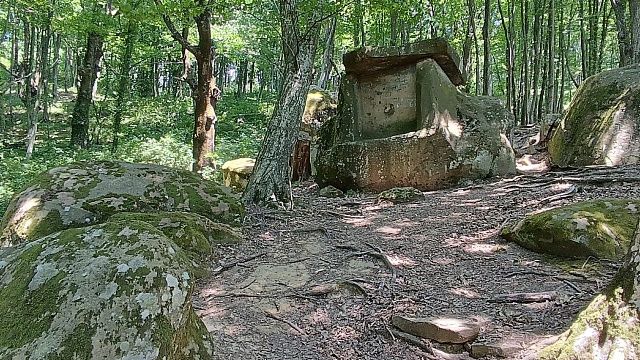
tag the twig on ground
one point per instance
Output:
(222, 268)
(292, 325)
(525, 298)
(527, 272)
(413, 340)
(572, 285)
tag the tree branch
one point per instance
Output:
(175, 34)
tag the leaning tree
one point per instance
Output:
(300, 23)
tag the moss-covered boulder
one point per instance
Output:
(602, 122)
(83, 194)
(599, 228)
(118, 290)
(193, 233)
(401, 195)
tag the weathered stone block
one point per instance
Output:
(424, 133)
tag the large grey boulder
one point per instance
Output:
(83, 194)
(412, 127)
(118, 290)
(602, 125)
(599, 228)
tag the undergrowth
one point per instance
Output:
(154, 130)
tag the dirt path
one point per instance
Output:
(446, 255)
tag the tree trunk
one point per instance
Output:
(56, 66)
(608, 327)
(88, 73)
(124, 83)
(486, 66)
(42, 87)
(31, 80)
(327, 56)
(271, 178)
(206, 96)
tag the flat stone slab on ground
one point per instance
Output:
(444, 330)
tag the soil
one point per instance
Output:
(443, 257)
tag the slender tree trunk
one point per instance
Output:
(31, 80)
(486, 66)
(56, 66)
(124, 83)
(327, 56)
(88, 75)
(43, 85)
(526, 90)
(207, 95)
(271, 178)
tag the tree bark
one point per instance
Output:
(206, 94)
(124, 83)
(486, 66)
(327, 56)
(88, 73)
(271, 178)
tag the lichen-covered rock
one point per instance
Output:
(601, 125)
(83, 194)
(599, 228)
(319, 107)
(195, 234)
(236, 172)
(119, 290)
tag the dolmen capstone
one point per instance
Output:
(402, 122)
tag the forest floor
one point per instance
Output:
(444, 258)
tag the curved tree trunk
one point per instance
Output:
(271, 178)
(609, 328)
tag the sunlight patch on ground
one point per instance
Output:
(484, 249)
(459, 192)
(405, 223)
(480, 236)
(359, 222)
(443, 261)
(401, 261)
(527, 164)
(465, 292)
(319, 316)
(388, 230)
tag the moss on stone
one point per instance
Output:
(78, 344)
(20, 307)
(600, 228)
(605, 326)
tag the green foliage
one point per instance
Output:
(156, 130)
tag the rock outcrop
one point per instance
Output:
(602, 125)
(115, 290)
(99, 260)
(403, 123)
(82, 194)
(598, 228)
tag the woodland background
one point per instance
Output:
(119, 79)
